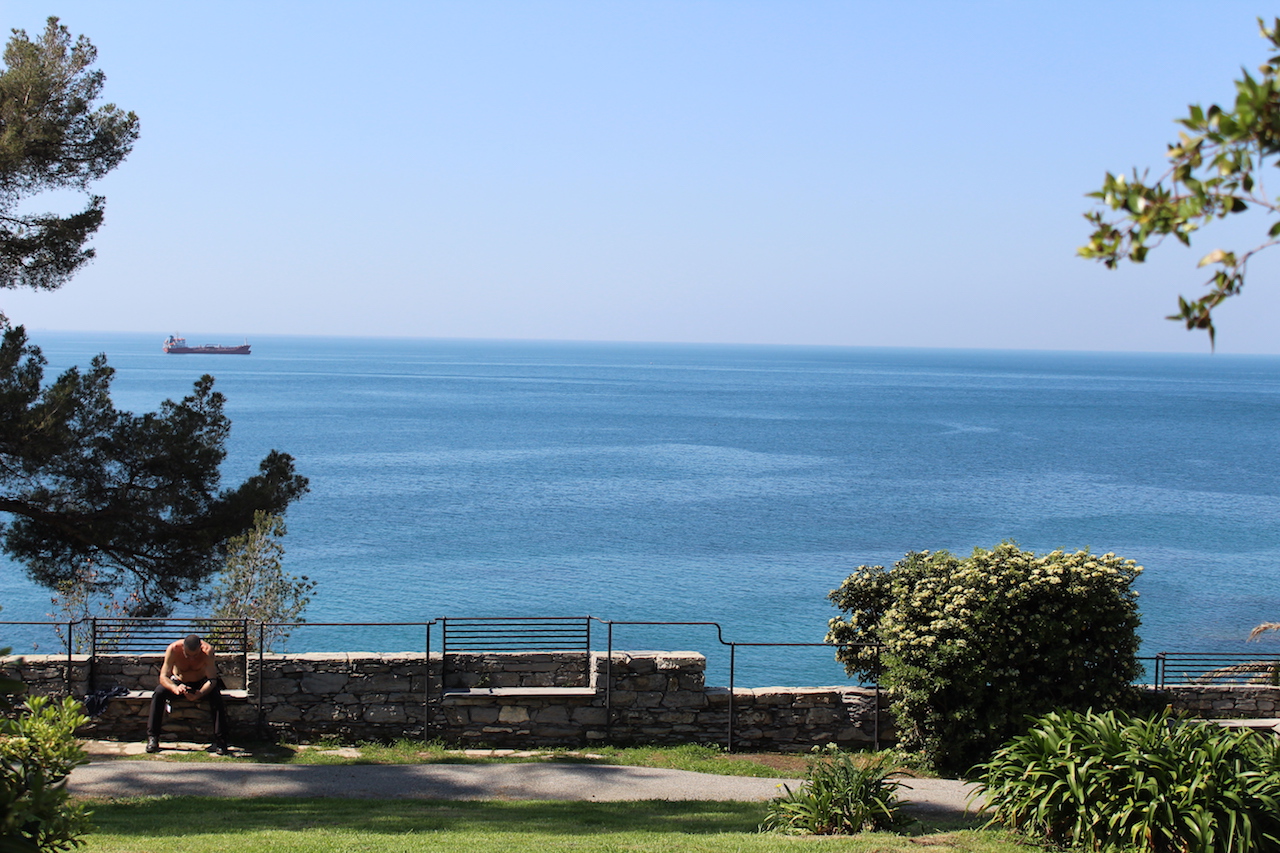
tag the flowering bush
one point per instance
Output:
(970, 648)
(38, 750)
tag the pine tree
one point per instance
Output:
(255, 586)
(137, 497)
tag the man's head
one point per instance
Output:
(192, 643)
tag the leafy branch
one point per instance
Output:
(1214, 173)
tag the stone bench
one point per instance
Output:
(127, 653)
(1270, 725)
(235, 695)
(125, 717)
(461, 694)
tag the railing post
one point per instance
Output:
(67, 674)
(608, 685)
(587, 667)
(262, 641)
(733, 663)
(426, 682)
(444, 655)
(93, 653)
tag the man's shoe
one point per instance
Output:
(153, 744)
(218, 748)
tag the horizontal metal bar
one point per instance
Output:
(506, 647)
(580, 638)
(348, 624)
(514, 618)
(519, 629)
(516, 637)
(550, 634)
(508, 641)
(525, 624)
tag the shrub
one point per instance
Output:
(840, 796)
(38, 750)
(1111, 782)
(970, 648)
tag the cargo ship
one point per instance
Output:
(178, 346)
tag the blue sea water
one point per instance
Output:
(734, 484)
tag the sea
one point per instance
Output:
(731, 486)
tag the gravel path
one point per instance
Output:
(533, 781)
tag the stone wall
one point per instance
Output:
(521, 699)
(1225, 701)
(526, 699)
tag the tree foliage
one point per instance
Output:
(970, 648)
(136, 498)
(100, 498)
(1214, 172)
(53, 137)
(81, 599)
(254, 585)
(116, 503)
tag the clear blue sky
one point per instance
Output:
(850, 173)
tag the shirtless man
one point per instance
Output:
(189, 672)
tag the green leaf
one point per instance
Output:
(1213, 257)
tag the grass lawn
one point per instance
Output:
(160, 825)
(196, 825)
(693, 757)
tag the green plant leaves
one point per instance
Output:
(840, 796)
(1107, 781)
(38, 749)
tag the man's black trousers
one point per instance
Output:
(155, 723)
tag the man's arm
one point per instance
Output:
(211, 676)
(167, 667)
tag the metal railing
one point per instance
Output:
(733, 647)
(1173, 669)
(488, 634)
(65, 631)
(514, 634)
(125, 635)
(128, 635)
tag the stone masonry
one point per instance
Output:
(524, 700)
(513, 699)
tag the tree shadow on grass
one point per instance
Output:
(179, 816)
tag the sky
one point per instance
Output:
(838, 173)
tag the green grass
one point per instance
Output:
(197, 825)
(693, 757)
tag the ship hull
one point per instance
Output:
(240, 350)
(176, 345)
